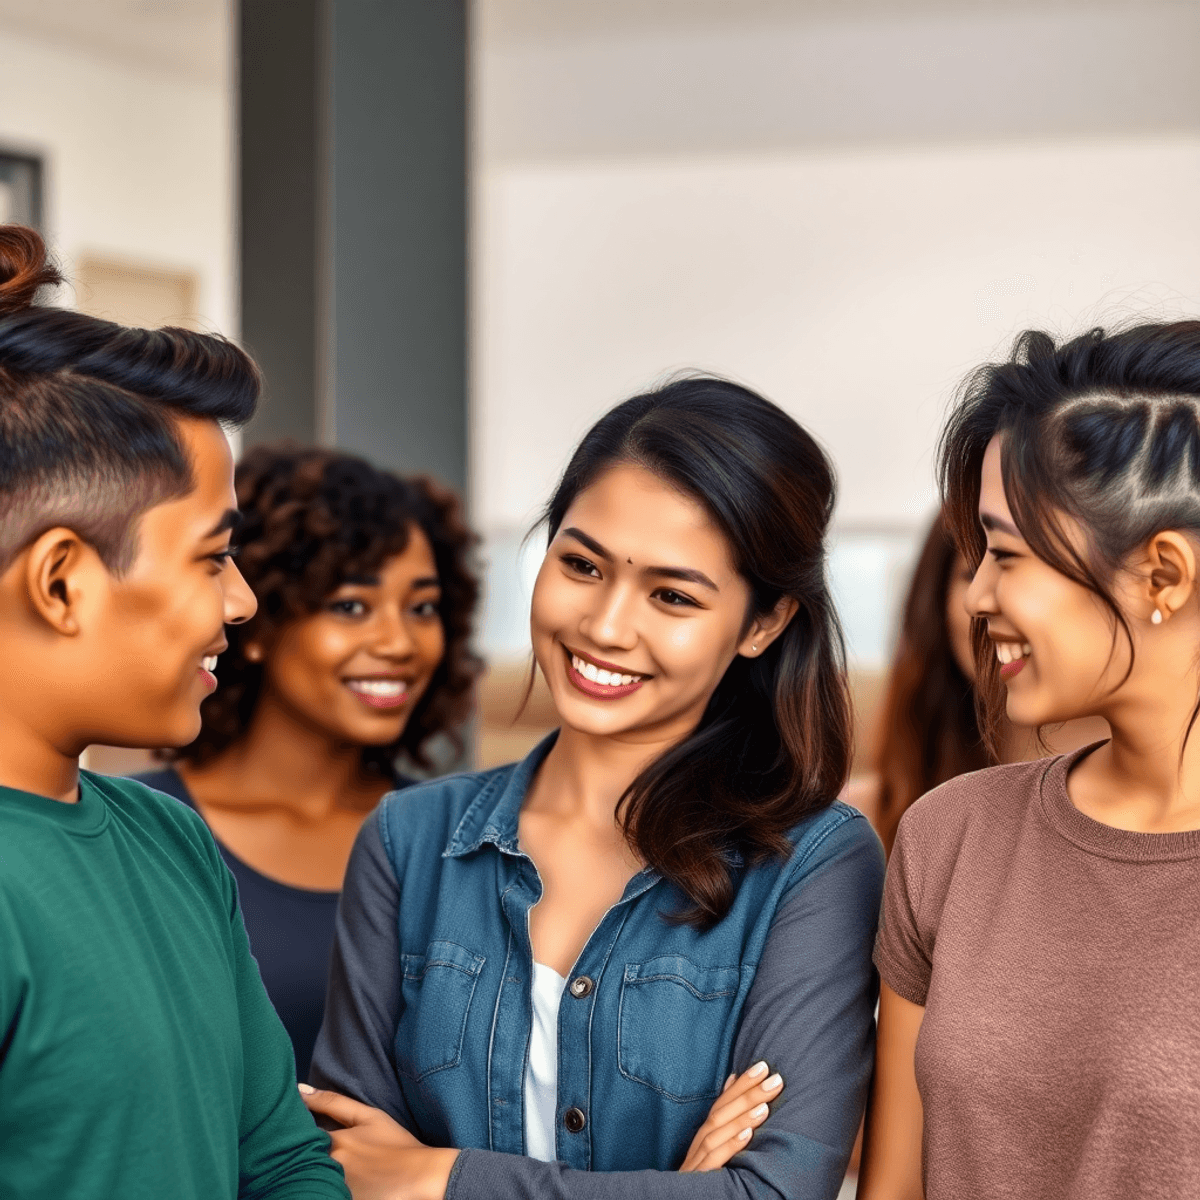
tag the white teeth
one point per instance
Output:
(209, 663)
(1008, 652)
(390, 688)
(599, 675)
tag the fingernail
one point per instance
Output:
(769, 1085)
(744, 1135)
(305, 1089)
(729, 1081)
(757, 1069)
(760, 1111)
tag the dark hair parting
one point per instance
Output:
(774, 743)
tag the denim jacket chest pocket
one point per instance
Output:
(437, 988)
(669, 1005)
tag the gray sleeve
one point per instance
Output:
(810, 1014)
(353, 1054)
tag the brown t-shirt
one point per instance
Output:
(1058, 960)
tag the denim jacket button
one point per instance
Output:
(574, 1120)
(581, 986)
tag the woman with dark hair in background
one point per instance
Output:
(585, 973)
(358, 657)
(927, 731)
(1039, 924)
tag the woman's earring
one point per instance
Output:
(753, 647)
(1156, 617)
(253, 652)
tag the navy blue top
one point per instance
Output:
(290, 931)
(429, 1006)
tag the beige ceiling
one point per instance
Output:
(188, 37)
(524, 18)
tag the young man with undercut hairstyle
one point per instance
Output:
(140, 1058)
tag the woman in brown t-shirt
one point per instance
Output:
(1039, 1030)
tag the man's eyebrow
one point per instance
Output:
(590, 542)
(230, 520)
(998, 525)
(684, 574)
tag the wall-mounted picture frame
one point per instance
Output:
(20, 188)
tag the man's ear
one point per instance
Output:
(765, 629)
(55, 567)
(1172, 578)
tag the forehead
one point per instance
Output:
(637, 515)
(415, 561)
(992, 499)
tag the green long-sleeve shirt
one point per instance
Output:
(139, 1055)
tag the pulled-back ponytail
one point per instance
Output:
(1104, 429)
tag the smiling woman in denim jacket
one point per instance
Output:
(547, 975)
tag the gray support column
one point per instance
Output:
(354, 219)
(281, 50)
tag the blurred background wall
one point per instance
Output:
(128, 107)
(843, 203)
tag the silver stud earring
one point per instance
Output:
(753, 647)
(1156, 617)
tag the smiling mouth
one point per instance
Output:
(379, 693)
(1012, 657)
(601, 683)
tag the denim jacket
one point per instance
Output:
(429, 1012)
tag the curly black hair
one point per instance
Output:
(312, 519)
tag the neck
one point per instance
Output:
(586, 774)
(1149, 773)
(288, 762)
(32, 762)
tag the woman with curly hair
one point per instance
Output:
(358, 657)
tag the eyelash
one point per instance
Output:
(336, 606)
(581, 566)
(681, 600)
(224, 557)
(1000, 555)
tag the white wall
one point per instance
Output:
(853, 288)
(138, 155)
(847, 214)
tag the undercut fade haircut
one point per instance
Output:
(88, 411)
(312, 519)
(1103, 429)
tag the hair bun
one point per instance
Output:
(23, 268)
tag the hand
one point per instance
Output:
(736, 1113)
(382, 1160)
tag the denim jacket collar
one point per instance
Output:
(495, 812)
(494, 815)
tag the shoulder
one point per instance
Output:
(166, 780)
(431, 811)
(837, 837)
(156, 815)
(980, 804)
